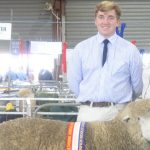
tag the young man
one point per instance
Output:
(98, 82)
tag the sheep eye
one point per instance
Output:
(126, 119)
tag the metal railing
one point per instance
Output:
(32, 109)
(33, 106)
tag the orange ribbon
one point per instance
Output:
(69, 135)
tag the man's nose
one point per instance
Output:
(106, 20)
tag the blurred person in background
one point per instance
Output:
(21, 75)
(45, 74)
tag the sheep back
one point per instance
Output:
(32, 134)
(111, 135)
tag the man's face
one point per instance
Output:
(106, 23)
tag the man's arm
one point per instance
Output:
(136, 69)
(74, 72)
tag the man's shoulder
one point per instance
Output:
(127, 46)
(87, 41)
(125, 41)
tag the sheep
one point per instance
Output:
(125, 132)
(26, 93)
(129, 130)
(36, 133)
(136, 117)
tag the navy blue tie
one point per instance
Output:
(105, 49)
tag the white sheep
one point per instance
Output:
(128, 131)
(26, 93)
(136, 116)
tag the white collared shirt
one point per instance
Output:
(118, 81)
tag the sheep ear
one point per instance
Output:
(126, 119)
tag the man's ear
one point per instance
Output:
(119, 22)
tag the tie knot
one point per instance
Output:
(106, 41)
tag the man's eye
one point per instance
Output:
(108, 18)
(111, 18)
(100, 17)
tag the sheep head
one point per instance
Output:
(25, 92)
(136, 116)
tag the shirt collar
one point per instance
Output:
(112, 39)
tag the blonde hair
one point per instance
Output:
(105, 6)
